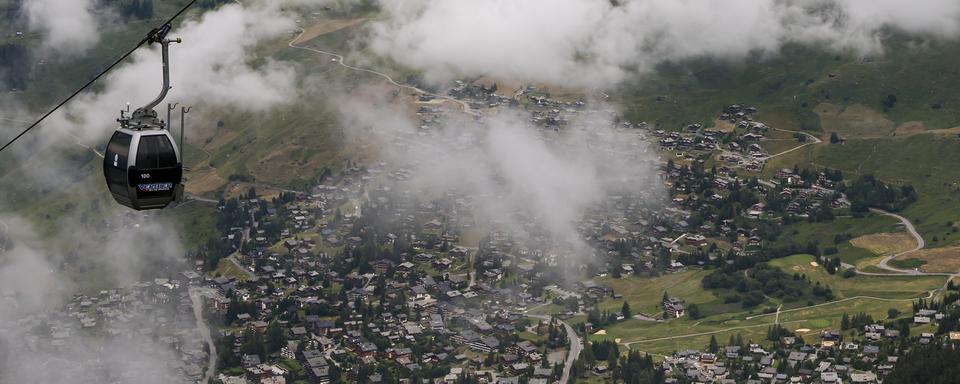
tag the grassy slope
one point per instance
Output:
(787, 89)
(643, 295)
(823, 234)
(787, 86)
(927, 161)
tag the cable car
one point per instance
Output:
(142, 164)
(143, 168)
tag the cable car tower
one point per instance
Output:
(142, 164)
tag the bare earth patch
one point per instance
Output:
(945, 259)
(203, 181)
(946, 131)
(909, 128)
(324, 27)
(505, 87)
(885, 243)
(237, 189)
(854, 121)
(723, 125)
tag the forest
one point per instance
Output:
(762, 280)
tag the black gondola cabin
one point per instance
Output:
(143, 168)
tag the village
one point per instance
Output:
(358, 280)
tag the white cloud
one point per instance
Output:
(513, 168)
(33, 286)
(212, 68)
(593, 42)
(70, 26)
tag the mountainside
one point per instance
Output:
(893, 111)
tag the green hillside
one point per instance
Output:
(901, 141)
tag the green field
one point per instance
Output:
(644, 294)
(870, 294)
(226, 268)
(925, 161)
(907, 263)
(887, 287)
(790, 88)
(823, 233)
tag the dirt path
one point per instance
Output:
(629, 343)
(325, 27)
(930, 295)
(340, 60)
(816, 140)
(776, 315)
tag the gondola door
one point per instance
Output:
(156, 172)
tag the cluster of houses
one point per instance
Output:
(788, 360)
(478, 96)
(430, 292)
(805, 196)
(151, 320)
(734, 145)
(446, 287)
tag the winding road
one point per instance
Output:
(913, 232)
(196, 294)
(576, 346)
(885, 262)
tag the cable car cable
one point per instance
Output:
(163, 28)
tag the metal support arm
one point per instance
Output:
(159, 37)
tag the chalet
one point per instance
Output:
(405, 267)
(596, 289)
(696, 240)
(442, 264)
(381, 267)
(459, 252)
(672, 307)
(485, 345)
(675, 266)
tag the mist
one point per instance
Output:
(37, 281)
(213, 67)
(92, 243)
(592, 43)
(519, 176)
(69, 26)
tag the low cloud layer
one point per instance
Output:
(35, 282)
(69, 26)
(593, 42)
(213, 67)
(517, 173)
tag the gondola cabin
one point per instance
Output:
(143, 168)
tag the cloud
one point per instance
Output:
(70, 26)
(213, 69)
(217, 67)
(593, 42)
(37, 281)
(531, 180)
